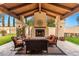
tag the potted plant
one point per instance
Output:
(20, 31)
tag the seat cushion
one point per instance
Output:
(19, 42)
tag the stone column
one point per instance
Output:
(18, 23)
(59, 28)
(9, 21)
(9, 26)
(22, 19)
(56, 23)
(13, 22)
(2, 18)
(3, 21)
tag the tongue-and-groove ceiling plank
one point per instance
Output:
(29, 13)
(69, 5)
(55, 8)
(51, 13)
(68, 14)
(24, 8)
(11, 5)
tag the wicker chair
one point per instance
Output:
(52, 40)
(17, 42)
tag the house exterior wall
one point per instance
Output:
(8, 29)
(73, 31)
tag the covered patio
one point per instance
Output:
(39, 11)
(65, 48)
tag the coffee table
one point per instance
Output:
(36, 46)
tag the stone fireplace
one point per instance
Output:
(39, 32)
(40, 26)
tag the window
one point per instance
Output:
(0, 21)
(6, 20)
(11, 21)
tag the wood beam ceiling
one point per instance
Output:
(29, 13)
(39, 7)
(8, 12)
(68, 14)
(16, 7)
(26, 12)
(24, 7)
(51, 13)
(20, 6)
(75, 7)
(61, 6)
(48, 11)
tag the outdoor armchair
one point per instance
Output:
(17, 42)
(52, 40)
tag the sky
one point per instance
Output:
(71, 21)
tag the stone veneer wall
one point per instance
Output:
(51, 30)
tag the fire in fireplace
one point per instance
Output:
(39, 32)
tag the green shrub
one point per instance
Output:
(51, 23)
(6, 39)
(73, 40)
(3, 32)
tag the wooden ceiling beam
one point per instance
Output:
(20, 7)
(68, 14)
(60, 6)
(53, 13)
(32, 13)
(16, 7)
(26, 11)
(50, 15)
(46, 14)
(39, 7)
(29, 13)
(75, 7)
(8, 12)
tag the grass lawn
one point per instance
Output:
(73, 39)
(6, 39)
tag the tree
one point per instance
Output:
(29, 23)
(51, 22)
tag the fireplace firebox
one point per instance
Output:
(39, 32)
